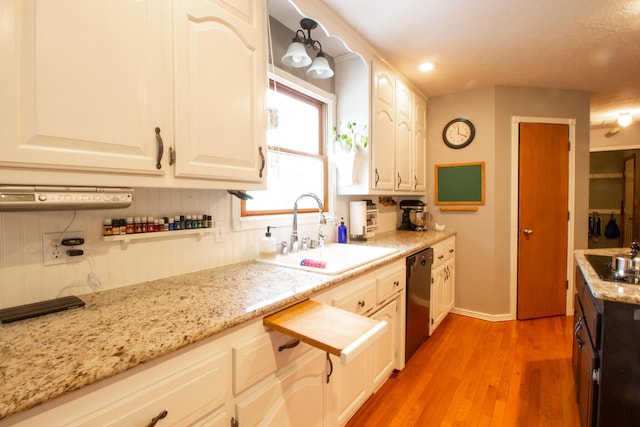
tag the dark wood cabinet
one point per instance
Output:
(585, 367)
(606, 359)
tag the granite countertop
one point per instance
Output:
(45, 357)
(602, 289)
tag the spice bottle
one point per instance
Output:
(107, 229)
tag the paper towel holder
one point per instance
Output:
(358, 220)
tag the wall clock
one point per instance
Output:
(458, 133)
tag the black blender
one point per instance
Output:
(414, 215)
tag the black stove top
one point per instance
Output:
(602, 265)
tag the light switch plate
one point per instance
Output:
(220, 233)
(54, 253)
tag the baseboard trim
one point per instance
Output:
(483, 316)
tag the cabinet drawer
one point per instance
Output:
(390, 284)
(592, 317)
(444, 251)
(258, 357)
(360, 298)
(193, 385)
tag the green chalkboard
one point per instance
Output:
(460, 184)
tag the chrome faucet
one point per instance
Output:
(295, 245)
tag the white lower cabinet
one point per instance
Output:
(294, 397)
(442, 282)
(192, 388)
(351, 385)
(250, 376)
(384, 350)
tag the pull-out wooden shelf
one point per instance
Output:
(338, 332)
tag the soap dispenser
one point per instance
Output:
(342, 232)
(268, 245)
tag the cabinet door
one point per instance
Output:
(419, 183)
(449, 286)
(384, 349)
(87, 83)
(293, 398)
(404, 134)
(437, 297)
(383, 128)
(350, 386)
(220, 87)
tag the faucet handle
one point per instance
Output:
(305, 243)
(284, 247)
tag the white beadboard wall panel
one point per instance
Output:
(24, 279)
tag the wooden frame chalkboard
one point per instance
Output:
(460, 184)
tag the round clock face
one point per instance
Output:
(458, 133)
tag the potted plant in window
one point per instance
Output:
(351, 142)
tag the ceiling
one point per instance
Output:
(588, 45)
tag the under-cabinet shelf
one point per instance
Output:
(124, 239)
(615, 175)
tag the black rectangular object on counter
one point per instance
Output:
(26, 311)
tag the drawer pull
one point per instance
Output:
(361, 303)
(157, 418)
(330, 368)
(289, 345)
(397, 283)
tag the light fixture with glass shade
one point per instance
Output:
(297, 57)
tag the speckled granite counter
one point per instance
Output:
(605, 290)
(45, 357)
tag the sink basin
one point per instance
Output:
(335, 258)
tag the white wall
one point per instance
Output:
(627, 139)
(483, 241)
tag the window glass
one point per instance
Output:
(295, 157)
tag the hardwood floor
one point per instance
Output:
(472, 372)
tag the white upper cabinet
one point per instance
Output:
(419, 148)
(93, 90)
(404, 128)
(383, 129)
(87, 83)
(220, 82)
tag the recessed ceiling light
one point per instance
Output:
(426, 67)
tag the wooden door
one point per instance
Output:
(543, 216)
(627, 203)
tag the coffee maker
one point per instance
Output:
(414, 215)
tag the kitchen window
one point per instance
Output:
(296, 158)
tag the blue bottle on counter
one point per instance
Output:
(342, 232)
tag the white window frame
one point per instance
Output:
(262, 221)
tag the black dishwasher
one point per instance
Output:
(418, 300)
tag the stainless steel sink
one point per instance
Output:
(334, 258)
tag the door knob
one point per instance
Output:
(527, 232)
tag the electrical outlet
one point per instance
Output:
(53, 252)
(220, 233)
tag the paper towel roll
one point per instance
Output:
(358, 218)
